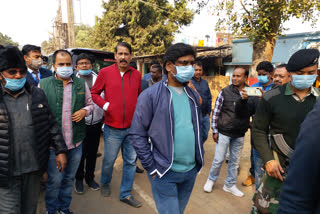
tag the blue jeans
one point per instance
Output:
(205, 127)
(171, 193)
(235, 145)
(60, 185)
(114, 139)
(258, 167)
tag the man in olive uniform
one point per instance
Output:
(280, 114)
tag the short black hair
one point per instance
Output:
(133, 64)
(45, 58)
(54, 56)
(176, 51)
(27, 48)
(198, 63)
(265, 65)
(123, 44)
(153, 62)
(157, 67)
(84, 56)
(282, 66)
(246, 71)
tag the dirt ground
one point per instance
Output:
(215, 202)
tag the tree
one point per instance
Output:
(48, 46)
(84, 37)
(261, 21)
(149, 26)
(6, 40)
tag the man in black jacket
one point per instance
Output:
(229, 125)
(28, 129)
(33, 58)
(203, 89)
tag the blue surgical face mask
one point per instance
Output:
(303, 81)
(184, 73)
(263, 79)
(43, 66)
(15, 84)
(85, 72)
(64, 72)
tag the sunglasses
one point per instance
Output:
(14, 72)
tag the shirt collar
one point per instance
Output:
(312, 91)
(32, 72)
(4, 91)
(70, 80)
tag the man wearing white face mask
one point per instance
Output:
(84, 66)
(173, 156)
(69, 98)
(280, 113)
(33, 58)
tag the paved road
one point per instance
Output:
(200, 202)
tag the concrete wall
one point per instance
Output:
(285, 47)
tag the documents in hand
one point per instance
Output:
(253, 91)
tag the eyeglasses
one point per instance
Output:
(184, 62)
(14, 72)
(84, 63)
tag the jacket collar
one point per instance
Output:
(28, 87)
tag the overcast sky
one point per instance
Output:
(31, 21)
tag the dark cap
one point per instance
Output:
(303, 58)
(11, 57)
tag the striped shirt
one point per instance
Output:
(67, 131)
(216, 113)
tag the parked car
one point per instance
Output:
(101, 58)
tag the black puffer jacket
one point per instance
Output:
(46, 130)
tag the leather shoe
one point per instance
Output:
(132, 202)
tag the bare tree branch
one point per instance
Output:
(249, 15)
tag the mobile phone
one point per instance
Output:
(253, 91)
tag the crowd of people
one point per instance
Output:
(51, 123)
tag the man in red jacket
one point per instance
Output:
(121, 85)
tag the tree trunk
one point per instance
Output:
(262, 51)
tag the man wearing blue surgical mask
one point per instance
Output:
(279, 115)
(90, 144)
(28, 129)
(70, 100)
(173, 156)
(264, 70)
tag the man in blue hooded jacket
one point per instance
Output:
(165, 132)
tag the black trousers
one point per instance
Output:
(90, 147)
(21, 197)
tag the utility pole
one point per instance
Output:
(71, 37)
(57, 33)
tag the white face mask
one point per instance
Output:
(64, 72)
(36, 63)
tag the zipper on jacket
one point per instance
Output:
(195, 105)
(124, 112)
(171, 130)
(130, 78)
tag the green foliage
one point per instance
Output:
(84, 37)
(148, 25)
(262, 20)
(6, 40)
(47, 47)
